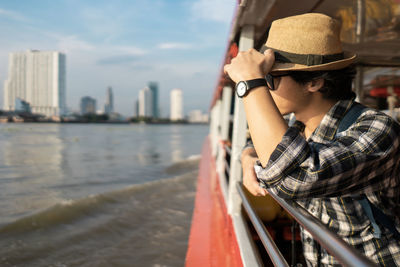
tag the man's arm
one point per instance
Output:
(250, 181)
(362, 159)
(266, 123)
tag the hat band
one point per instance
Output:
(308, 60)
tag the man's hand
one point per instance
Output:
(250, 65)
(249, 158)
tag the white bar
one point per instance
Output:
(225, 112)
(239, 131)
(245, 242)
(215, 127)
(250, 257)
(224, 122)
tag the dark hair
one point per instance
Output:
(337, 83)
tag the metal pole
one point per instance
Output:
(224, 136)
(360, 29)
(245, 242)
(215, 127)
(342, 251)
(269, 244)
(246, 42)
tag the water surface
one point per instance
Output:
(97, 194)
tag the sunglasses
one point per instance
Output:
(270, 80)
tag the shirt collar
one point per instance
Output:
(326, 130)
(329, 124)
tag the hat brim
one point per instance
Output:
(335, 65)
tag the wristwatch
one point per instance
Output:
(243, 87)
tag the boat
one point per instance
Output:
(17, 118)
(4, 119)
(229, 226)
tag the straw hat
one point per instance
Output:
(308, 42)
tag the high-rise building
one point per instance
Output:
(88, 105)
(176, 107)
(109, 105)
(146, 103)
(39, 78)
(136, 108)
(154, 89)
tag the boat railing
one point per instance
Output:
(268, 242)
(228, 154)
(336, 246)
(228, 149)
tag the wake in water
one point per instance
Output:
(141, 225)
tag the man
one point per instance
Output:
(326, 166)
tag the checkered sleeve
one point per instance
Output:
(360, 159)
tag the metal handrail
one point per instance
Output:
(269, 244)
(342, 251)
(227, 167)
(228, 149)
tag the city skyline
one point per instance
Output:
(120, 45)
(146, 105)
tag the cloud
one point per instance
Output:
(12, 15)
(213, 10)
(69, 43)
(117, 60)
(129, 50)
(174, 46)
(102, 21)
(125, 55)
(142, 67)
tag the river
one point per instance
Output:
(97, 194)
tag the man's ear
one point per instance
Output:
(315, 85)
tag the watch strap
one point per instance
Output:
(256, 83)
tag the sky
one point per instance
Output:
(124, 44)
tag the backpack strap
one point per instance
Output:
(367, 207)
(350, 117)
(370, 209)
(383, 219)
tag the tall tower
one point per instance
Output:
(136, 108)
(154, 89)
(39, 78)
(176, 105)
(109, 105)
(146, 102)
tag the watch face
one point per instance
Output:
(241, 89)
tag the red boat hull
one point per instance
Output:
(212, 241)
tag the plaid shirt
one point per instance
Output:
(325, 172)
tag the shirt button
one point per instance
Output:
(308, 240)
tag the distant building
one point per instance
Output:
(146, 103)
(206, 118)
(21, 105)
(39, 78)
(88, 105)
(154, 89)
(197, 116)
(109, 105)
(136, 108)
(176, 105)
